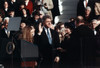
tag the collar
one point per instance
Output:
(26, 3)
(86, 0)
(6, 9)
(46, 29)
(5, 30)
(25, 15)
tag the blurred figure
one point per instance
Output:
(4, 33)
(1, 19)
(97, 8)
(35, 20)
(6, 8)
(70, 24)
(29, 5)
(11, 13)
(55, 10)
(65, 43)
(24, 14)
(14, 5)
(46, 6)
(60, 28)
(64, 36)
(80, 17)
(1, 22)
(81, 51)
(82, 4)
(88, 16)
(22, 25)
(22, 5)
(94, 25)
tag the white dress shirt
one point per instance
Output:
(6, 9)
(85, 3)
(26, 2)
(7, 32)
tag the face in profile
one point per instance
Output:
(47, 23)
(22, 25)
(12, 13)
(22, 6)
(6, 23)
(87, 12)
(36, 17)
(1, 19)
(13, 0)
(6, 4)
(32, 31)
(24, 12)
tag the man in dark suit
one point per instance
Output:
(13, 4)
(55, 10)
(6, 37)
(82, 4)
(6, 8)
(48, 41)
(4, 33)
(81, 51)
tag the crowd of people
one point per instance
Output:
(73, 44)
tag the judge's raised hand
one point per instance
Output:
(40, 29)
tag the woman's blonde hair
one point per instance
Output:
(26, 34)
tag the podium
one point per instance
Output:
(9, 53)
(29, 54)
(18, 55)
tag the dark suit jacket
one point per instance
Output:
(14, 7)
(82, 46)
(45, 48)
(6, 12)
(81, 8)
(4, 35)
(55, 10)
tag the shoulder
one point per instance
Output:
(97, 4)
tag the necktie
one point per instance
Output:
(8, 33)
(86, 3)
(49, 38)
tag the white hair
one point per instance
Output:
(88, 8)
(6, 18)
(94, 21)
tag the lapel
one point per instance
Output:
(52, 35)
(44, 34)
(4, 34)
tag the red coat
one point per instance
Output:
(30, 7)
